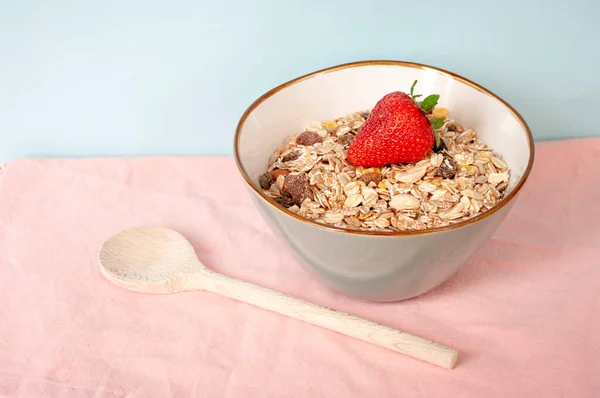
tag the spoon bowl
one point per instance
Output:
(150, 259)
(158, 260)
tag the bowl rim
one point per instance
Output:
(505, 201)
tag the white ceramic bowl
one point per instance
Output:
(375, 265)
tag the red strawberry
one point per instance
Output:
(397, 131)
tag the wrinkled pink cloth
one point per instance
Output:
(524, 313)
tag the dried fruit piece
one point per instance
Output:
(345, 139)
(290, 157)
(370, 177)
(285, 201)
(297, 187)
(308, 138)
(440, 112)
(447, 169)
(266, 180)
(331, 125)
(455, 126)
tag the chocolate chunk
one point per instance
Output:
(308, 138)
(370, 177)
(284, 201)
(265, 180)
(297, 187)
(290, 156)
(447, 169)
(345, 139)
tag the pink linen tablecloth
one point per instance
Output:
(524, 313)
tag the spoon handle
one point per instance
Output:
(362, 329)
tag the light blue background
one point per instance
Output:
(101, 78)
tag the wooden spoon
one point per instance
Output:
(153, 259)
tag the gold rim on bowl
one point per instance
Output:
(466, 81)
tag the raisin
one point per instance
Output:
(370, 177)
(297, 187)
(447, 169)
(266, 180)
(308, 138)
(290, 156)
(345, 139)
(365, 115)
(455, 126)
(284, 201)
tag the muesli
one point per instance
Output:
(396, 178)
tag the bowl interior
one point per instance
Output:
(336, 92)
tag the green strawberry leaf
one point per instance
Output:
(429, 102)
(437, 122)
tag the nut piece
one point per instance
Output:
(297, 187)
(447, 169)
(404, 201)
(308, 138)
(279, 172)
(266, 180)
(370, 177)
